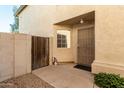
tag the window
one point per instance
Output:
(63, 39)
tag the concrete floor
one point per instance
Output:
(65, 76)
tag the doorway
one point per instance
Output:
(86, 46)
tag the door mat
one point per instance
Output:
(82, 67)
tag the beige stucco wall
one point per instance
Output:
(37, 20)
(109, 32)
(62, 54)
(6, 56)
(70, 11)
(109, 39)
(22, 52)
(15, 55)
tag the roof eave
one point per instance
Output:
(20, 9)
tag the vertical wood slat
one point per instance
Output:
(40, 52)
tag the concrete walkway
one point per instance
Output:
(65, 76)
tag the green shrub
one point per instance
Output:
(106, 80)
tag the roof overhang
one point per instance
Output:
(20, 9)
(87, 18)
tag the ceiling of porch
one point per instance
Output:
(87, 18)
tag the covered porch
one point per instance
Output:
(74, 40)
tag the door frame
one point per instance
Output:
(83, 27)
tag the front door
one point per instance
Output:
(86, 46)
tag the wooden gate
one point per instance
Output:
(40, 52)
(86, 46)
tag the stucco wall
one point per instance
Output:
(64, 12)
(68, 12)
(6, 56)
(109, 40)
(22, 55)
(15, 55)
(37, 20)
(62, 54)
(109, 32)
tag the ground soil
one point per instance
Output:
(25, 81)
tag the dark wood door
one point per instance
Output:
(86, 46)
(40, 52)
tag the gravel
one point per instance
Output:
(25, 81)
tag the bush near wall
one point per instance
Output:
(106, 80)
